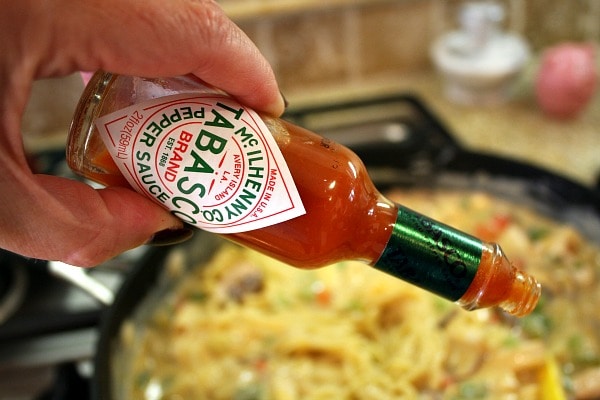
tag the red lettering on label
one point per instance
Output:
(181, 146)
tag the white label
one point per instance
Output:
(206, 158)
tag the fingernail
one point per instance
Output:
(170, 236)
(286, 103)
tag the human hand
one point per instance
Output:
(53, 218)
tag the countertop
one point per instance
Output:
(517, 129)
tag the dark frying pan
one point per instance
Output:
(403, 144)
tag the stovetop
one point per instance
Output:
(49, 326)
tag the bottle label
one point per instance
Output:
(209, 160)
(431, 255)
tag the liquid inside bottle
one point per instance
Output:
(346, 217)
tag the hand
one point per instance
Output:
(54, 218)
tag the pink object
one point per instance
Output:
(86, 76)
(566, 80)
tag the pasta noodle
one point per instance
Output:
(246, 327)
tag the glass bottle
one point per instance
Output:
(345, 217)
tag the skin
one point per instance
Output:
(53, 218)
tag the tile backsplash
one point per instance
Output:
(314, 43)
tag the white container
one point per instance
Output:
(480, 63)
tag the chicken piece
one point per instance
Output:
(241, 280)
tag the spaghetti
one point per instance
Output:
(247, 327)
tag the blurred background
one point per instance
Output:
(328, 51)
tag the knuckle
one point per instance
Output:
(96, 246)
(213, 27)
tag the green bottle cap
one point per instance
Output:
(431, 255)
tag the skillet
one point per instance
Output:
(403, 144)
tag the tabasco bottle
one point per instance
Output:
(275, 187)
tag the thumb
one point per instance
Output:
(69, 221)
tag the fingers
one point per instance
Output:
(158, 38)
(55, 218)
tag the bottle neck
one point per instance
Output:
(431, 255)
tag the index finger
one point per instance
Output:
(155, 38)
